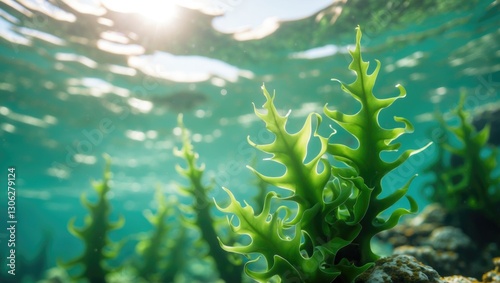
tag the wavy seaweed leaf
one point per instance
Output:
(290, 149)
(229, 270)
(337, 207)
(94, 233)
(472, 185)
(373, 139)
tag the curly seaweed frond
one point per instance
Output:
(153, 249)
(229, 270)
(337, 207)
(367, 166)
(270, 239)
(472, 184)
(94, 233)
(364, 125)
(290, 150)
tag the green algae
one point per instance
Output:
(97, 247)
(327, 238)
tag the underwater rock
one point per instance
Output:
(433, 213)
(459, 279)
(431, 239)
(494, 275)
(444, 262)
(450, 239)
(399, 268)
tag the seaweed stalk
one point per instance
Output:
(94, 234)
(229, 271)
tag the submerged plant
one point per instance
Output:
(94, 234)
(465, 183)
(229, 270)
(154, 250)
(327, 238)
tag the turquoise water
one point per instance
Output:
(77, 82)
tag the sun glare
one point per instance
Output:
(160, 11)
(157, 11)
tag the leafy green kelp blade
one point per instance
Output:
(366, 167)
(469, 187)
(94, 234)
(306, 180)
(306, 183)
(154, 249)
(327, 238)
(266, 237)
(229, 270)
(290, 149)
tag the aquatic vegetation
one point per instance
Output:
(262, 189)
(35, 266)
(30, 268)
(98, 248)
(229, 270)
(327, 238)
(465, 183)
(155, 249)
(177, 257)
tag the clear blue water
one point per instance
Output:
(70, 92)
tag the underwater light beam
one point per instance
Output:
(158, 11)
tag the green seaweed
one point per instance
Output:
(262, 188)
(229, 270)
(155, 249)
(327, 237)
(94, 234)
(177, 256)
(467, 187)
(366, 168)
(30, 269)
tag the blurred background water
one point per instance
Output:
(79, 78)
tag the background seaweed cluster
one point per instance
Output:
(466, 178)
